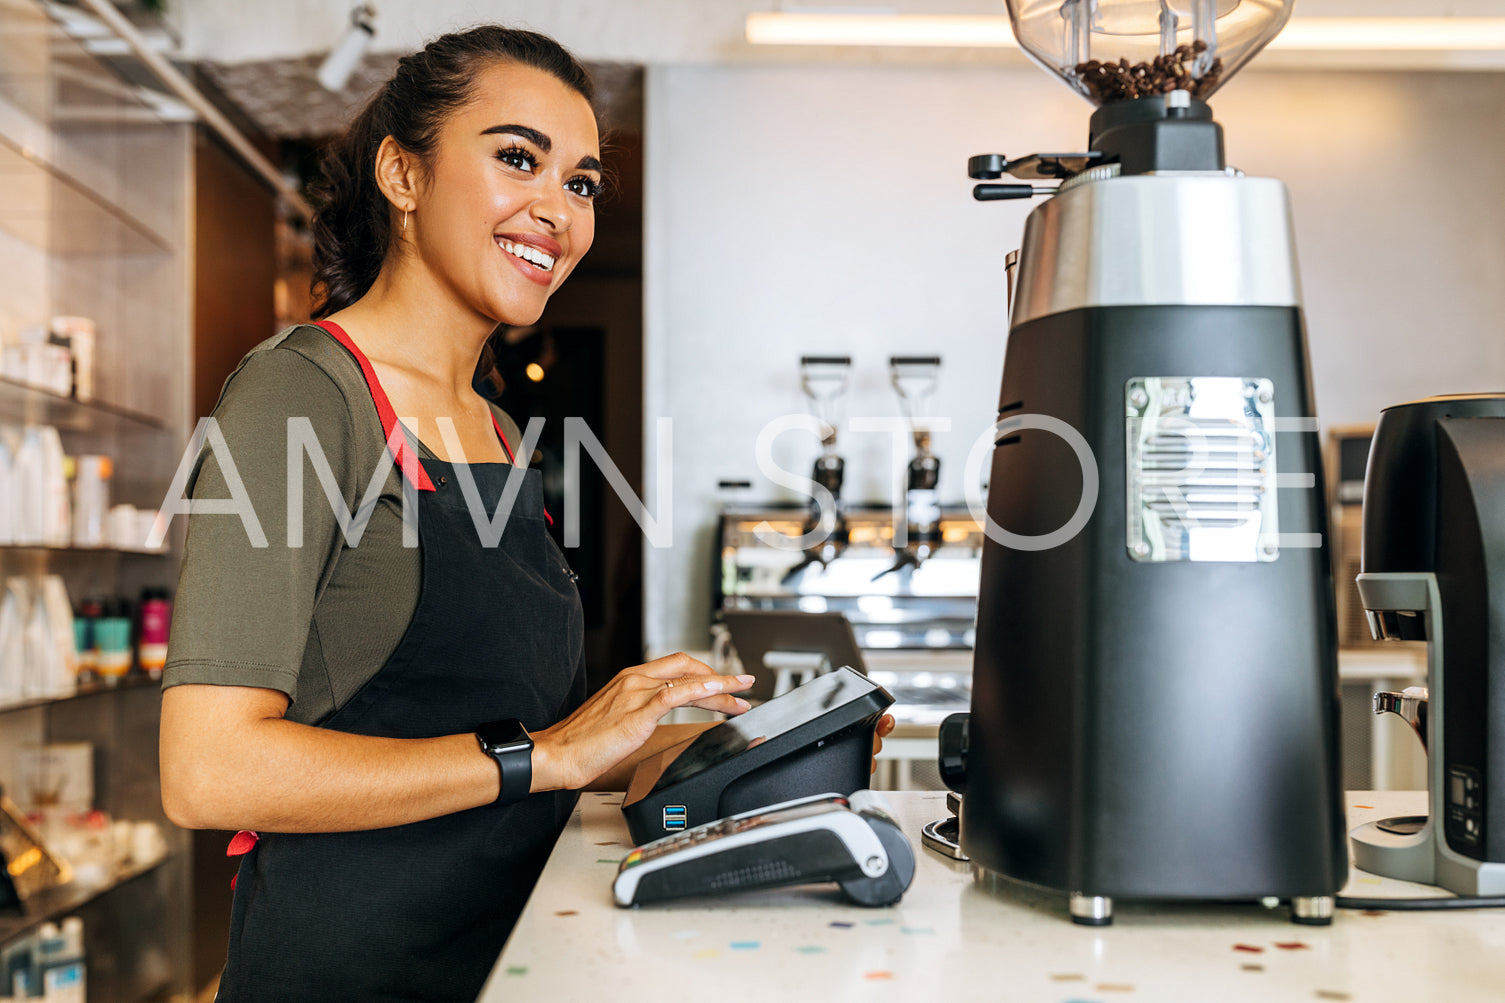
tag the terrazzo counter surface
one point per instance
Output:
(956, 938)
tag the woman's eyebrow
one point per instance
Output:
(543, 142)
(533, 136)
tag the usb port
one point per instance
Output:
(674, 817)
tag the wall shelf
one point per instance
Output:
(43, 549)
(96, 204)
(31, 405)
(55, 903)
(48, 208)
(132, 681)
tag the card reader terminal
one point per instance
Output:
(814, 739)
(852, 841)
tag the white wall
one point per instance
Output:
(796, 210)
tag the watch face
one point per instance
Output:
(500, 736)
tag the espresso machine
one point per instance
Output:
(1434, 570)
(1154, 709)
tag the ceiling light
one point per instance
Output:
(1315, 34)
(335, 72)
(1393, 33)
(785, 28)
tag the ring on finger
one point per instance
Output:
(669, 683)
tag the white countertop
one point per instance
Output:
(955, 938)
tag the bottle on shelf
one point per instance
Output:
(12, 643)
(60, 963)
(155, 616)
(112, 641)
(8, 488)
(89, 611)
(91, 500)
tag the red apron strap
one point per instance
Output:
(405, 454)
(498, 426)
(512, 459)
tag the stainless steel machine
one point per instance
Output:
(903, 573)
(914, 379)
(914, 625)
(1154, 710)
(824, 380)
(1434, 571)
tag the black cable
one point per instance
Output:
(1418, 905)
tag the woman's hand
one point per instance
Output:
(621, 716)
(885, 728)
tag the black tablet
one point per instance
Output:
(815, 739)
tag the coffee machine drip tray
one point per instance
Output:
(1201, 467)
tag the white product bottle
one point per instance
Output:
(64, 644)
(7, 491)
(31, 492)
(62, 966)
(78, 333)
(12, 646)
(91, 500)
(56, 522)
(39, 665)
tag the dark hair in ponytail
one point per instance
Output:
(352, 225)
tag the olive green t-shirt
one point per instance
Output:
(314, 621)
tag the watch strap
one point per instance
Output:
(508, 743)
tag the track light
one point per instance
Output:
(335, 72)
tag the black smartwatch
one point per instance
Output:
(509, 743)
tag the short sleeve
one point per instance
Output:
(244, 604)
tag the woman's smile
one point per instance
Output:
(533, 254)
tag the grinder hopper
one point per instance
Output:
(1108, 50)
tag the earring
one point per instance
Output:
(404, 221)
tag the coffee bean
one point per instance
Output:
(1123, 81)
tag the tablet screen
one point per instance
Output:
(767, 720)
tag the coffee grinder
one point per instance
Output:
(824, 380)
(1434, 570)
(1155, 693)
(914, 378)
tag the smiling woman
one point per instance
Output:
(392, 699)
(356, 219)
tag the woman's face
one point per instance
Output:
(505, 209)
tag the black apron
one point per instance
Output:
(420, 911)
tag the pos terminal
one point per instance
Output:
(815, 739)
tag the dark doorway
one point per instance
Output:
(588, 348)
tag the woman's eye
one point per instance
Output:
(518, 158)
(584, 187)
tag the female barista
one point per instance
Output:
(361, 671)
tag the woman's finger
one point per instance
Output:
(683, 691)
(723, 703)
(676, 665)
(699, 685)
(886, 725)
